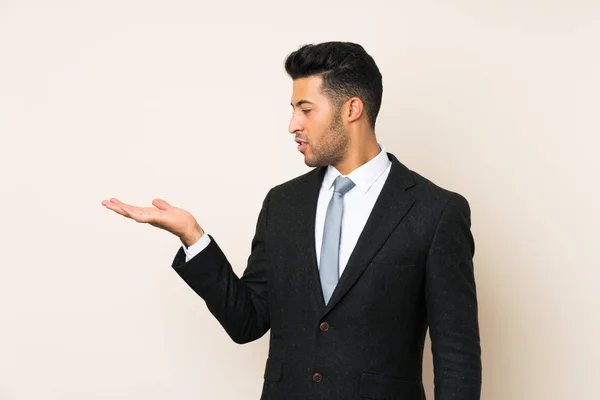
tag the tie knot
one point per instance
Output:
(342, 185)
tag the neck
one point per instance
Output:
(358, 154)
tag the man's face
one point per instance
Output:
(316, 124)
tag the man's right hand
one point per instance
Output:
(163, 215)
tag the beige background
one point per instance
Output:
(189, 101)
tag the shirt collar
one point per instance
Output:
(363, 176)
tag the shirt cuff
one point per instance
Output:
(197, 247)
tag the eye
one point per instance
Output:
(306, 111)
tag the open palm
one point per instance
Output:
(163, 215)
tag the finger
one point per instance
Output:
(128, 211)
(115, 208)
(161, 204)
(140, 214)
(116, 201)
(127, 207)
(109, 204)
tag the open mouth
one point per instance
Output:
(302, 146)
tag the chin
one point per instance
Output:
(311, 162)
(308, 161)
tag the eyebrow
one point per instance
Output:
(300, 102)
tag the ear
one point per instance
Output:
(354, 109)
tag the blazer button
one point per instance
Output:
(324, 326)
(317, 377)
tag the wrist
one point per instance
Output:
(192, 236)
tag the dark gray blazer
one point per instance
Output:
(411, 269)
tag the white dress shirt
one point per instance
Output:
(358, 204)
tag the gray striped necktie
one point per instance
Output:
(329, 260)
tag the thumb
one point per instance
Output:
(161, 204)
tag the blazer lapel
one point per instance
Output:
(304, 204)
(391, 206)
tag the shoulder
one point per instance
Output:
(424, 188)
(437, 202)
(431, 197)
(298, 183)
(434, 191)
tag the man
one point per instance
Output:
(350, 262)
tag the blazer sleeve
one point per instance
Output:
(451, 303)
(239, 304)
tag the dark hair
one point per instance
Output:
(346, 69)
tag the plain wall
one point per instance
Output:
(189, 101)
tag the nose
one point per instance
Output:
(295, 125)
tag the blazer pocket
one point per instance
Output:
(273, 369)
(381, 387)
